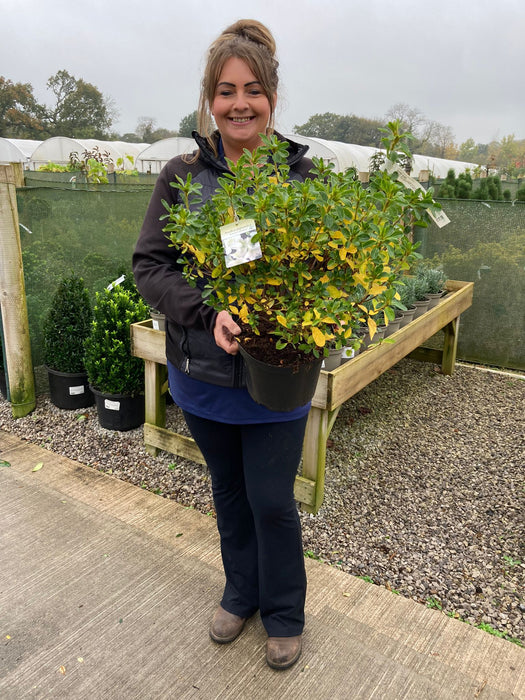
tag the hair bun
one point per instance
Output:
(254, 31)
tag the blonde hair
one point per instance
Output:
(252, 42)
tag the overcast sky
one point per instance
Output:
(460, 62)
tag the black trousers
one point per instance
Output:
(253, 469)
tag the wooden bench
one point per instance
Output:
(333, 388)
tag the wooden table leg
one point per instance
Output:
(450, 346)
(155, 378)
(320, 423)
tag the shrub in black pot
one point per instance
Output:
(65, 330)
(115, 376)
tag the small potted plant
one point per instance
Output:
(302, 266)
(115, 376)
(65, 329)
(434, 280)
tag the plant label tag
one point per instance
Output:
(438, 217)
(111, 405)
(237, 242)
(76, 390)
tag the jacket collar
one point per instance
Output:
(296, 151)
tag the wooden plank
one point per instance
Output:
(304, 491)
(424, 354)
(148, 343)
(172, 442)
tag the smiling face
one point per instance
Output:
(240, 108)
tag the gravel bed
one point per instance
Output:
(424, 493)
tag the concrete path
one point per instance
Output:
(106, 592)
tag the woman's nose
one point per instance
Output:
(240, 103)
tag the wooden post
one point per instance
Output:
(13, 297)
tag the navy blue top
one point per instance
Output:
(223, 404)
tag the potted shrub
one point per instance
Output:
(64, 331)
(115, 376)
(308, 263)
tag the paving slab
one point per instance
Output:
(107, 590)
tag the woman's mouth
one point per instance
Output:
(241, 120)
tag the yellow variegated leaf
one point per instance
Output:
(377, 289)
(216, 272)
(324, 279)
(372, 327)
(234, 309)
(352, 249)
(243, 313)
(307, 275)
(318, 337)
(282, 321)
(362, 307)
(338, 234)
(274, 281)
(333, 291)
(201, 257)
(342, 253)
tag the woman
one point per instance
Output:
(252, 453)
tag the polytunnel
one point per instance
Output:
(342, 155)
(348, 155)
(57, 149)
(17, 150)
(439, 167)
(155, 156)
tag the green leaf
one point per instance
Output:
(3, 463)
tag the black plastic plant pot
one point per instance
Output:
(69, 390)
(281, 388)
(3, 384)
(118, 411)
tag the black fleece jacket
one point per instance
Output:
(190, 344)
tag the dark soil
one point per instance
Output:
(262, 347)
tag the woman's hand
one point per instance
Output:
(224, 332)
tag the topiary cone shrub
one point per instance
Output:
(67, 326)
(111, 367)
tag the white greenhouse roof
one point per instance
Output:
(342, 155)
(17, 150)
(155, 156)
(58, 149)
(348, 155)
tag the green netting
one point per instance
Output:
(90, 232)
(485, 244)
